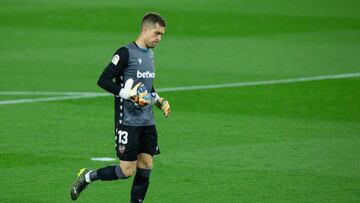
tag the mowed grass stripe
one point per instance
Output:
(102, 18)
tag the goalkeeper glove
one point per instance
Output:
(129, 91)
(162, 104)
(142, 96)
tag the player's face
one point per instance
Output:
(154, 35)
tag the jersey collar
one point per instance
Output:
(141, 48)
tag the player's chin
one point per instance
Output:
(153, 45)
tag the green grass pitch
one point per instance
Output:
(297, 142)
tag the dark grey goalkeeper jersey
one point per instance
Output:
(130, 61)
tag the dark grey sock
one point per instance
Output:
(140, 185)
(107, 173)
(120, 173)
(93, 175)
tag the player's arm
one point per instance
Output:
(161, 103)
(118, 63)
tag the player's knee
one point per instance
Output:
(145, 161)
(128, 171)
(148, 164)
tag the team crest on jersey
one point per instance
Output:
(121, 149)
(115, 59)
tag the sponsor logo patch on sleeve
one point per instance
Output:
(115, 59)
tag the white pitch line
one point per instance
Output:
(257, 83)
(49, 93)
(80, 95)
(103, 159)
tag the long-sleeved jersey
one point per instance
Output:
(130, 61)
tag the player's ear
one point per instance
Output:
(145, 28)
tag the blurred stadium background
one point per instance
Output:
(293, 142)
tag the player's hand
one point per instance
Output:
(129, 91)
(142, 97)
(164, 105)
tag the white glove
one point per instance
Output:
(129, 91)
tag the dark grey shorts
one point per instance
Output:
(133, 140)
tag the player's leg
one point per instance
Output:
(148, 147)
(141, 179)
(122, 171)
(127, 142)
(145, 161)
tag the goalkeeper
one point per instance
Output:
(132, 67)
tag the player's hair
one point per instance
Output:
(152, 18)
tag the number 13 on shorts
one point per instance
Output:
(123, 137)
